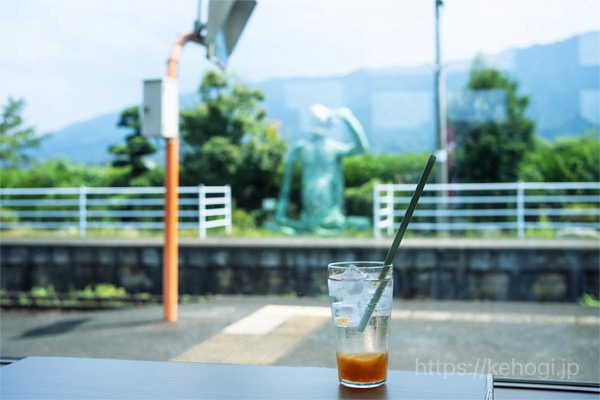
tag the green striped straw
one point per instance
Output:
(395, 244)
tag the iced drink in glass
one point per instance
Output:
(362, 355)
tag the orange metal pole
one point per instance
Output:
(171, 245)
(171, 248)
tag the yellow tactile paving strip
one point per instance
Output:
(269, 333)
(261, 349)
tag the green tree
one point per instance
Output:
(492, 133)
(56, 172)
(16, 139)
(567, 159)
(228, 140)
(132, 155)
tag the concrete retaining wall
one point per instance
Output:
(540, 270)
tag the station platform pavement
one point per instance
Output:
(553, 341)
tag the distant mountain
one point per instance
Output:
(395, 105)
(563, 82)
(88, 141)
(84, 142)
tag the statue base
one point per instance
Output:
(297, 227)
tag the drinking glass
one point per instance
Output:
(361, 290)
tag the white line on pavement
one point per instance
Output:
(266, 319)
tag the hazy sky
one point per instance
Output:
(75, 59)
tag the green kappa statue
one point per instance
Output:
(322, 185)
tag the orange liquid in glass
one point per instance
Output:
(362, 367)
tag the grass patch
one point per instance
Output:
(92, 297)
(589, 300)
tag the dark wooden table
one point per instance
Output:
(88, 378)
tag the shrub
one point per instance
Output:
(359, 200)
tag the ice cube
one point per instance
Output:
(384, 304)
(345, 314)
(336, 289)
(352, 273)
(348, 283)
(369, 290)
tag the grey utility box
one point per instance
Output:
(160, 111)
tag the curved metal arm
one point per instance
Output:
(173, 62)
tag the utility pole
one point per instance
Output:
(171, 245)
(440, 119)
(226, 21)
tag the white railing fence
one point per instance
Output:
(138, 208)
(504, 207)
(514, 208)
